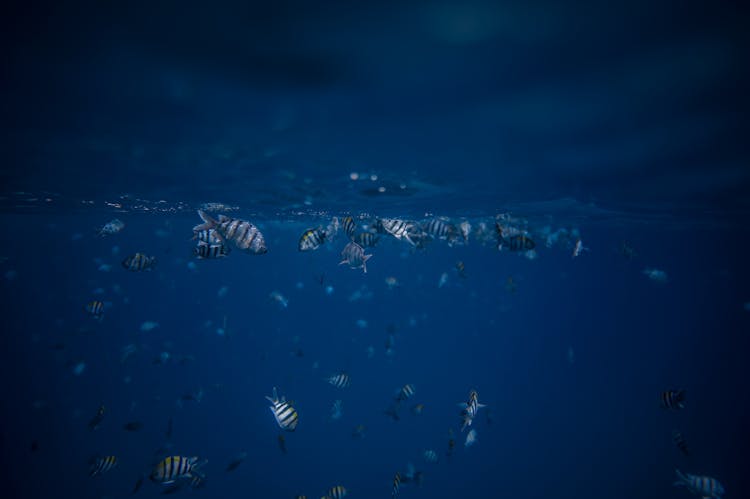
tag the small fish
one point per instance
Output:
(312, 239)
(673, 399)
(471, 438)
(520, 242)
(111, 227)
(443, 280)
(286, 416)
(579, 248)
(680, 442)
(440, 229)
(280, 299)
(430, 456)
(96, 421)
(340, 380)
(132, 426)
(396, 484)
(417, 409)
(349, 226)
(282, 443)
(656, 275)
(354, 255)
(465, 229)
(703, 486)
(399, 229)
(243, 234)
(461, 269)
(95, 308)
(174, 468)
(337, 492)
(139, 262)
(405, 393)
(205, 251)
(236, 461)
(138, 485)
(469, 409)
(101, 465)
(336, 410)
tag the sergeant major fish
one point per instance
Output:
(111, 227)
(312, 239)
(175, 468)
(95, 308)
(354, 255)
(139, 262)
(210, 251)
(349, 226)
(673, 399)
(515, 242)
(101, 465)
(470, 408)
(286, 416)
(340, 380)
(703, 486)
(398, 229)
(242, 233)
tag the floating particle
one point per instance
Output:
(105, 267)
(191, 266)
(11, 275)
(361, 323)
(149, 326)
(79, 368)
(329, 290)
(222, 292)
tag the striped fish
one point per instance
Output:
(680, 442)
(243, 234)
(102, 464)
(175, 468)
(209, 251)
(95, 308)
(354, 255)
(406, 392)
(470, 409)
(139, 262)
(399, 229)
(440, 229)
(673, 399)
(311, 239)
(349, 226)
(286, 416)
(396, 484)
(703, 486)
(366, 239)
(336, 492)
(112, 227)
(340, 380)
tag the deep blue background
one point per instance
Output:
(584, 429)
(625, 121)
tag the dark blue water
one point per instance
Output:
(615, 124)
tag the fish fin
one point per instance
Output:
(208, 222)
(342, 262)
(481, 405)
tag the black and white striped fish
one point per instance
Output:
(312, 239)
(396, 484)
(703, 486)
(102, 464)
(95, 308)
(405, 393)
(174, 468)
(112, 227)
(354, 255)
(673, 399)
(286, 416)
(139, 262)
(340, 380)
(440, 229)
(349, 226)
(680, 442)
(399, 229)
(470, 409)
(366, 239)
(243, 234)
(336, 492)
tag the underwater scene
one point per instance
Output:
(421, 250)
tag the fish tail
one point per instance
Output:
(682, 480)
(208, 222)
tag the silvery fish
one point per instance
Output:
(354, 255)
(112, 227)
(242, 233)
